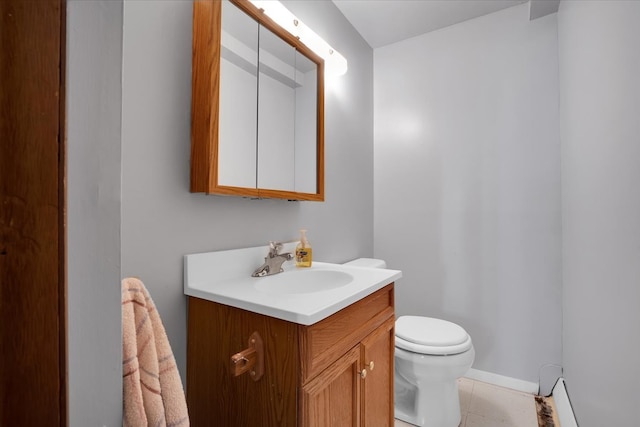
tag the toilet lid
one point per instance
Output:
(431, 336)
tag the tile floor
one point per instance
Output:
(487, 405)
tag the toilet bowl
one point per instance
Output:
(430, 355)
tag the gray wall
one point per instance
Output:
(128, 94)
(467, 183)
(162, 220)
(94, 75)
(599, 93)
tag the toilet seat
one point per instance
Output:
(427, 335)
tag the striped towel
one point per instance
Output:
(152, 390)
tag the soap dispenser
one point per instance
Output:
(303, 251)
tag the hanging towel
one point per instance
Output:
(152, 390)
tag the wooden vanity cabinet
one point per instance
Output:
(316, 375)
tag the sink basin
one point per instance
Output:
(303, 281)
(301, 295)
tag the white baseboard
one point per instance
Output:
(563, 405)
(502, 381)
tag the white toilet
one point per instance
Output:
(430, 355)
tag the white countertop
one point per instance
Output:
(223, 277)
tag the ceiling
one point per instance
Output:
(382, 22)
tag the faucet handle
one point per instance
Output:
(274, 248)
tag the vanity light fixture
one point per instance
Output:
(335, 63)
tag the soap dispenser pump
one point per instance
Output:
(303, 251)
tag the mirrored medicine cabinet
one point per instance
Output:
(257, 117)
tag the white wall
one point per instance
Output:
(162, 220)
(599, 107)
(467, 190)
(94, 89)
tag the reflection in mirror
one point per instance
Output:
(273, 147)
(276, 113)
(306, 128)
(238, 120)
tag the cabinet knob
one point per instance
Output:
(363, 373)
(371, 365)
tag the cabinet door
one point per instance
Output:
(377, 387)
(332, 399)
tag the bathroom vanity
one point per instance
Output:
(319, 366)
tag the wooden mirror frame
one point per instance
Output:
(205, 102)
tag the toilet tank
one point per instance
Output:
(367, 262)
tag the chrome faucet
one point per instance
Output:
(273, 261)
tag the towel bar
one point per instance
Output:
(250, 359)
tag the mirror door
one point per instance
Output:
(306, 125)
(238, 117)
(276, 113)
